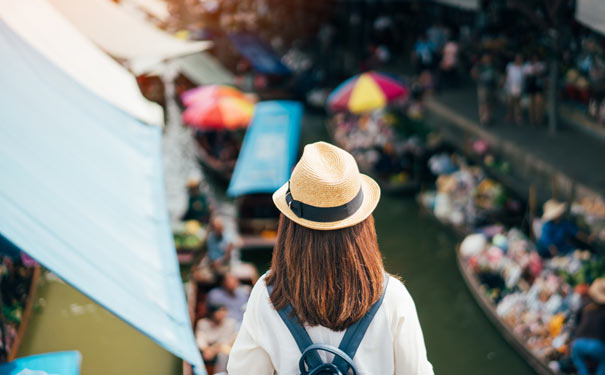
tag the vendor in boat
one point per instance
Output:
(219, 247)
(215, 335)
(388, 162)
(589, 341)
(197, 205)
(232, 295)
(559, 235)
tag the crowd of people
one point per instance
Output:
(443, 56)
(223, 285)
(440, 64)
(224, 308)
(584, 69)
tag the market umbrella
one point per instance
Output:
(209, 92)
(366, 92)
(219, 113)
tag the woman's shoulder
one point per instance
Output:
(259, 291)
(397, 296)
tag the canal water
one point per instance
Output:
(459, 338)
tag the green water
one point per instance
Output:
(65, 319)
(459, 338)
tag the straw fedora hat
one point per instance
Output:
(553, 209)
(597, 290)
(326, 190)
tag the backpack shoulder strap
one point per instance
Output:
(298, 332)
(354, 334)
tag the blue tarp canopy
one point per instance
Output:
(269, 150)
(82, 192)
(64, 363)
(262, 57)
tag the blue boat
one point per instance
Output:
(268, 154)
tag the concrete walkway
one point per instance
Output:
(567, 160)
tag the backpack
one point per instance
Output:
(310, 362)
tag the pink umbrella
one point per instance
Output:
(205, 93)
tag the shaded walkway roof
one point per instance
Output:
(123, 35)
(45, 29)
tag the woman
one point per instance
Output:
(514, 88)
(328, 269)
(534, 86)
(484, 72)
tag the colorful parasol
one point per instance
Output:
(366, 92)
(204, 93)
(219, 113)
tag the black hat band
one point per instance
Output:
(324, 214)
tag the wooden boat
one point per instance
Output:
(222, 170)
(257, 221)
(196, 304)
(189, 246)
(474, 286)
(410, 186)
(268, 154)
(27, 311)
(516, 342)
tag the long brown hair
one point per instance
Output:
(331, 278)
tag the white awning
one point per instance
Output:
(155, 8)
(465, 4)
(204, 69)
(123, 35)
(45, 29)
(201, 68)
(591, 13)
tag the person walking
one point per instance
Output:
(534, 71)
(514, 88)
(327, 289)
(484, 72)
(589, 341)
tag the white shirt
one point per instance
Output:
(393, 343)
(514, 79)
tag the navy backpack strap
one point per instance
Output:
(298, 332)
(354, 334)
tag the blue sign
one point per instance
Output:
(59, 363)
(269, 150)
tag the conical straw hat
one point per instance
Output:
(553, 209)
(326, 190)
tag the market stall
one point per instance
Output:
(534, 300)
(466, 197)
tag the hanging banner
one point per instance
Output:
(591, 13)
